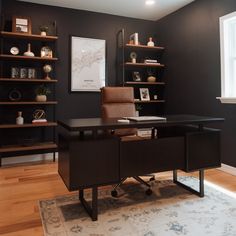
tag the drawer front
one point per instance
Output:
(203, 150)
(148, 156)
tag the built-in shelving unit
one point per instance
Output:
(126, 69)
(37, 137)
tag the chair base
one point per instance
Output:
(148, 192)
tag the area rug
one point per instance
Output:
(169, 211)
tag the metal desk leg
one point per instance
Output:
(91, 210)
(200, 193)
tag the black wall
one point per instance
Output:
(192, 57)
(84, 24)
(191, 36)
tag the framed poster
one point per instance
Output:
(88, 64)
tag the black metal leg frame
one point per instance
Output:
(91, 210)
(200, 193)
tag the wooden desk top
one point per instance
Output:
(101, 124)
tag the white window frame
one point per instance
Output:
(223, 31)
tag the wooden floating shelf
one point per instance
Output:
(15, 126)
(151, 101)
(144, 83)
(143, 64)
(6, 34)
(28, 103)
(28, 80)
(34, 147)
(143, 47)
(12, 57)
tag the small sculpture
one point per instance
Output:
(150, 42)
(47, 69)
(133, 56)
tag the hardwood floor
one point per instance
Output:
(22, 186)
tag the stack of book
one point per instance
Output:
(151, 61)
(144, 132)
(37, 121)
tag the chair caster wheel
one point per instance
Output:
(148, 192)
(114, 193)
(152, 179)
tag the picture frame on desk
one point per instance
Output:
(144, 94)
(21, 24)
(88, 64)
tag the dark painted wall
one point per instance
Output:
(84, 24)
(191, 36)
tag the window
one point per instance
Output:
(228, 58)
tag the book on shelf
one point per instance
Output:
(39, 121)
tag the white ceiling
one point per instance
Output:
(129, 8)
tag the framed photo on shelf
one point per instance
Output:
(88, 64)
(21, 24)
(136, 76)
(144, 94)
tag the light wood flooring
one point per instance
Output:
(22, 186)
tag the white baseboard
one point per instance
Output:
(228, 169)
(25, 159)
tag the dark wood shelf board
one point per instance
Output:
(34, 147)
(6, 34)
(130, 64)
(145, 83)
(28, 103)
(145, 47)
(151, 101)
(16, 58)
(28, 80)
(15, 126)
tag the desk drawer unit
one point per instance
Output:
(88, 162)
(147, 156)
(203, 149)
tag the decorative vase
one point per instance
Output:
(43, 33)
(41, 98)
(28, 53)
(151, 78)
(19, 119)
(150, 42)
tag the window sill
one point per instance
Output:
(229, 100)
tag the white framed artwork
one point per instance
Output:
(88, 64)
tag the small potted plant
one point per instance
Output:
(138, 108)
(41, 93)
(44, 30)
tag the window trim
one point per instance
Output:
(223, 97)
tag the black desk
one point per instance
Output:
(90, 157)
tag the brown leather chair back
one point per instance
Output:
(118, 102)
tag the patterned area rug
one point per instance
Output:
(169, 211)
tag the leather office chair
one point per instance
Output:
(119, 102)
